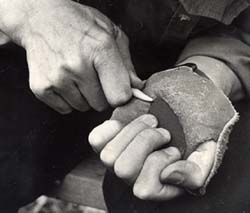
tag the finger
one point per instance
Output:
(71, 94)
(148, 185)
(112, 72)
(55, 101)
(123, 47)
(193, 172)
(91, 89)
(115, 147)
(204, 157)
(130, 162)
(103, 133)
(45, 92)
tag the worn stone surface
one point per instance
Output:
(203, 110)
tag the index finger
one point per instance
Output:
(112, 72)
(123, 47)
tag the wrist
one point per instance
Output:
(16, 14)
(221, 75)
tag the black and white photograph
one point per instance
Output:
(124, 106)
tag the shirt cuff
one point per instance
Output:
(233, 52)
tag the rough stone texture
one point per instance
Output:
(203, 110)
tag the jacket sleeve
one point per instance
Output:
(228, 44)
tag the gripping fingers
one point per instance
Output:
(193, 172)
(148, 185)
(57, 90)
(90, 87)
(130, 162)
(55, 101)
(118, 144)
(112, 72)
(72, 95)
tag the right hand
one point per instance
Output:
(76, 58)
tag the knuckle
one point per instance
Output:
(173, 151)
(196, 178)
(155, 157)
(74, 63)
(108, 158)
(123, 171)
(185, 165)
(106, 40)
(120, 98)
(149, 135)
(142, 192)
(58, 76)
(56, 80)
(40, 88)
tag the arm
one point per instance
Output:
(221, 74)
(218, 57)
(144, 164)
(224, 55)
(75, 54)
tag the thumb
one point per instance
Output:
(193, 172)
(123, 46)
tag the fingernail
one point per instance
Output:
(173, 151)
(175, 178)
(165, 133)
(149, 120)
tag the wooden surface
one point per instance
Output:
(83, 185)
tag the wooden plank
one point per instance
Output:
(83, 185)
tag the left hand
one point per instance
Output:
(134, 153)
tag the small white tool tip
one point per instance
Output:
(141, 96)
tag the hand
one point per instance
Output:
(77, 58)
(166, 179)
(134, 153)
(193, 172)
(129, 151)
